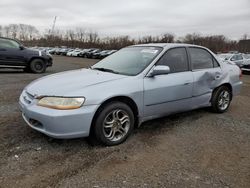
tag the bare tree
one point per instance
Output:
(245, 37)
(92, 37)
(167, 37)
(23, 35)
(7, 31)
(14, 29)
(32, 31)
(80, 34)
(79, 37)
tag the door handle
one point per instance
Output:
(217, 77)
(2, 49)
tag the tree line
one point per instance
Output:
(83, 38)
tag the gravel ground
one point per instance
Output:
(192, 149)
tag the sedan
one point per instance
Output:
(236, 58)
(134, 85)
(246, 64)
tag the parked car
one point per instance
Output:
(236, 58)
(83, 52)
(76, 53)
(64, 51)
(14, 55)
(246, 64)
(90, 53)
(97, 55)
(136, 84)
(106, 54)
(69, 53)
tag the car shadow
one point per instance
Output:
(149, 127)
(11, 71)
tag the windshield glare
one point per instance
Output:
(130, 60)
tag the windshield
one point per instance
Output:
(129, 61)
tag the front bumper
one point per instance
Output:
(49, 61)
(62, 124)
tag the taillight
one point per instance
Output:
(240, 74)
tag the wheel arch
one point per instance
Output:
(33, 58)
(228, 85)
(124, 99)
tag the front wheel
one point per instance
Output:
(114, 123)
(38, 66)
(221, 99)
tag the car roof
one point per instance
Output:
(168, 45)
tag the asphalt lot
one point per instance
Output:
(192, 149)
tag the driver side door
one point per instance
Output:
(168, 93)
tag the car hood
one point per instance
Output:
(65, 83)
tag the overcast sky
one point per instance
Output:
(133, 17)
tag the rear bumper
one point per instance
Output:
(236, 88)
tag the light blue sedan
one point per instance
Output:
(136, 84)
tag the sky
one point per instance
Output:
(133, 17)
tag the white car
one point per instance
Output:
(69, 53)
(74, 53)
(236, 58)
(246, 63)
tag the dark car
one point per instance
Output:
(97, 55)
(65, 51)
(90, 53)
(14, 55)
(106, 54)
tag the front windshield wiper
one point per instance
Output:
(105, 70)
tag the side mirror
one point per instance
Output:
(159, 70)
(21, 47)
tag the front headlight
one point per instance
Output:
(61, 103)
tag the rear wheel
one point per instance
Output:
(114, 123)
(37, 66)
(221, 99)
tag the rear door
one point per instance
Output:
(165, 94)
(207, 75)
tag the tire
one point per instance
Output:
(38, 66)
(221, 99)
(115, 133)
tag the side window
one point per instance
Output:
(240, 57)
(234, 58)
(237, 57)
(5, 43)
(216, 64)
(201, 59)
(176, 59)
